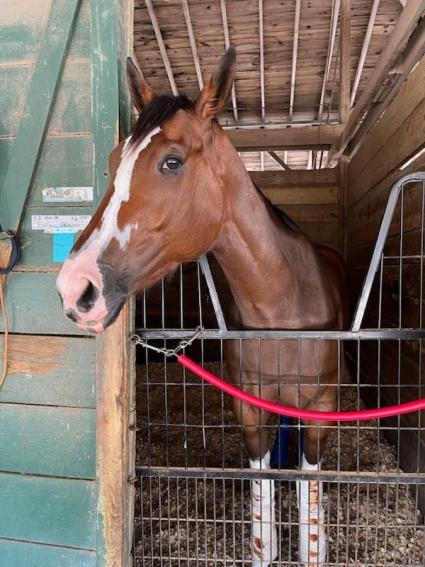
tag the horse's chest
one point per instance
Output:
(288, 362)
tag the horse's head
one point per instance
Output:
(164, 206)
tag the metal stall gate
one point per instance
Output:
(193, 494)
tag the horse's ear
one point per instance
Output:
(215, 94)
(140, 91)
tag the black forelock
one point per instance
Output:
(158, 111)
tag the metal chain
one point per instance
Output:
(137, 340)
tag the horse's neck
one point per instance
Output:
(252, 256)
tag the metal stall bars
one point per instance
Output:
(192, 506)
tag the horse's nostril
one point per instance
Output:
(70, 313)
(88, 298)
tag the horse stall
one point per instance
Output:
(62, 458)
(112, 455)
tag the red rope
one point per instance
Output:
(360, 415)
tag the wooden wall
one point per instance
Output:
(61, 482)
(311, 198)
(376, 166)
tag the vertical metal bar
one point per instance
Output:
(376, 258)
(381, 283)
(163, 305)
(400, 281)
(378, 380)
(198, 275)
(181, 297)
(203, 261)
(421, 289)
(178, 523)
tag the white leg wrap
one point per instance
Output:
(312, 535)
(263, 519)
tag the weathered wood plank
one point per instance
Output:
(58, 371)
(48, 510)
(64, 162)
(37, 245)
(115, 415)
(305, 195)
(22, 28)
(365, 220)
(71, 111)
(34, 307)
(345, 61)
(402, 144)
(394, 47)
(409, 98)
(38, 107)
(295, 137)
(295, 178)
(312, 213)
(48, 440)
(15, 553)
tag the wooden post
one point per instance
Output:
(114, 432)
(115, 365)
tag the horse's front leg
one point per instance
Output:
(263, 517)
(312, 533)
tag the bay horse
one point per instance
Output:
(178, 190)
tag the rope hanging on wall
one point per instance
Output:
(13, 256)
(6, 331)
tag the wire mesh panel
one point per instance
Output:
(194, 502)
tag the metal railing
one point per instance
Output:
(192, 505)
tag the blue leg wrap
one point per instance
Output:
(279, 455)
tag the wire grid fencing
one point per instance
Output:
(193, 498)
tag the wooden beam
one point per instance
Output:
(396, 44)
(161, 46)
(192, 41)
(294, 57)
(114, 421)
(365, 48)
(295, 178)
(270, 139)
(407, 61)
(306, 195)
(332, 35)
(261, 34)
(345, 61)
(227, 45)
(279, 161)
(38, 109)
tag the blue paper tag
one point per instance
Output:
(62, 244)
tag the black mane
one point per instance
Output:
(154, 114)
(163, 107)
(286, 219)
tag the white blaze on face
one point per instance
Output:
(109, 223)
(82, 266)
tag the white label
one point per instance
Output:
(53, 224)
(67, 194)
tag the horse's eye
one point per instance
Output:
(170, 164)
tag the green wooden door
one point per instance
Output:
(59, 116)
